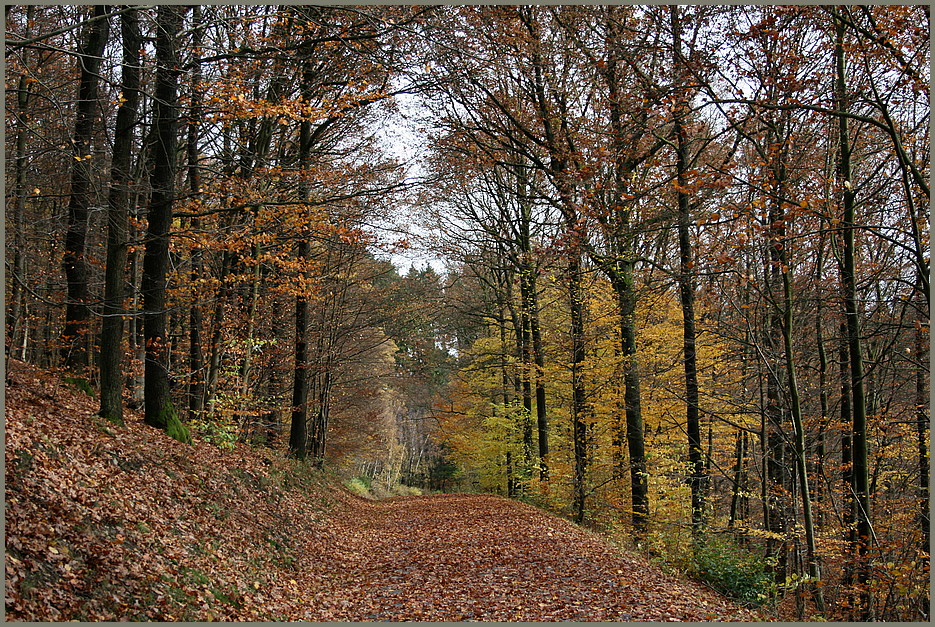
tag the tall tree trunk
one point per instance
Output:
(620, 269)
(820, 445)
(814, 570)
(846, 451)
(298, 435)
(860, 453)
(578, 402)
(526, 361)
(75, 337)
(738, 488)
(17, 325)
(922, 425)
(542, 420)
(196, 357)
(159, 411)
(697, 474)
(530, 297)
(505, 385)
(118, 214)
(639, 484)
(778, 467)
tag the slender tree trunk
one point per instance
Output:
(17, 323)
(118, 214)
(814, 570)
(579, 407)
(736, 509)
(196, 357)
(922, 425)
(697, 479)
(860, 452)
(526, 361)
(505, 382)
(639, 484)
(159, 412)
(75, 337)
(530, 298)
(620, 270)
(298, 435)
(846, 451)
(778, 467)
(820, 452)
(542, 420)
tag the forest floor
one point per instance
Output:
(124, 523)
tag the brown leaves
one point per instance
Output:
(108, 523)
(472, 557)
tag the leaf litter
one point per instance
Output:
(124, 523)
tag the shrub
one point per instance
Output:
(81, 384)
(358, 487)
(732, 570)
(220, 433)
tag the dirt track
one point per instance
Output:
(466, 557)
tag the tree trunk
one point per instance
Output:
(530, 297)
(578, 401)
(542, 420)
(639, 484)
(620, 271)
(860, 453)
(736, 498)
(17, 325)
(118, 213)
(159, 411)
(814, 570)
(75, 337)
(526, 365)
(196, 357)
(922, 426)
(697, 478)
(820, 445)
(298, 435)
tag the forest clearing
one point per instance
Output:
(659, 271)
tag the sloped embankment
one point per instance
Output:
(106, 523)
(124, 523)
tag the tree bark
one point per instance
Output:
(75, 337)
(196, 357)
(118, 214)
(159, 411)
(697, 474)
(639, 484)
(579, 402)
(17, 324)
(814, 569)
(298, 435)
(922, 426)
(860, 476)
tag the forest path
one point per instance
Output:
(468, 557)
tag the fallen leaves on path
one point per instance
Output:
(467, 557)
(124, 523)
